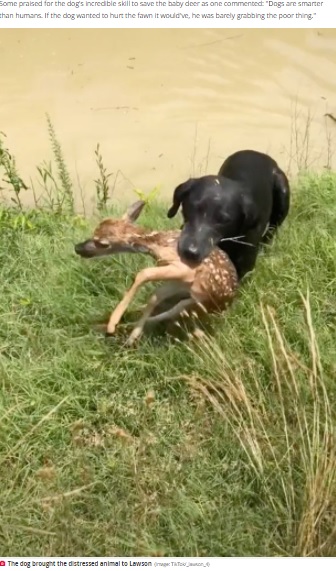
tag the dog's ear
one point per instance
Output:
(134, 211)
(250, 214)
(180, 193)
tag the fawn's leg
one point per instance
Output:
(162, 273)
(174, 312)
(162, 293)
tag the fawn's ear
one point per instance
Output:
(134, 211)
(180, 193)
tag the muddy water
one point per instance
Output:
(164, 104)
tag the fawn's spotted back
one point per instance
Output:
(216, 280)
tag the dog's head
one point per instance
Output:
(212, 211)
(112, 236)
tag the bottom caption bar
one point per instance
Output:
(227, 563)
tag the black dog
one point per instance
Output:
(236, 210)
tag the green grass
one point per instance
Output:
(226, 447)
(221, 449)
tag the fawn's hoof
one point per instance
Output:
(132, 339)
(110, 330)
(109, 333)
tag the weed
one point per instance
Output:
(102, 183)
(287, 434)
(148, 198)
(8, 163)
(63, 173)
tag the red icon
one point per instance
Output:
(2, 563)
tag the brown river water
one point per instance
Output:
(166, 104)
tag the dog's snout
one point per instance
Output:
(195, 243)
(190, 253)
(193, 251)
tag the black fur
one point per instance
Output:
(246, 202)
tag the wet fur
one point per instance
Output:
(237, 210)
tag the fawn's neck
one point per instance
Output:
(152, 243)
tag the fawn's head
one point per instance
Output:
(113, 236)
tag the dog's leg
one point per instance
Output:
(281, 203)
(165, 273)
(246, 261)
(164, 292)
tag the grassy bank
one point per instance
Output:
(222, 449)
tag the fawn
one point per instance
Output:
(210, 285)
